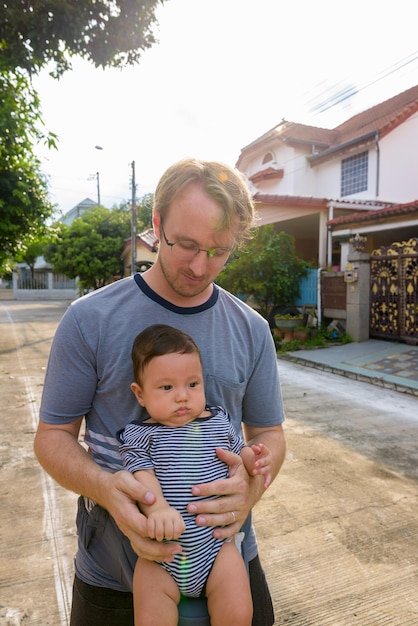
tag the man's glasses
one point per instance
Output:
(186, 250)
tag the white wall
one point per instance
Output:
(328, 178)
(397, 177)
(298, 179)
(399, 163)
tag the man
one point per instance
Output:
(202, 210)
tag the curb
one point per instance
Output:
(332, 369)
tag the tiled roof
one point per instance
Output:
(381, 118)
(308, 201)
(147, 238)
(397, 210)
(268, 173)
(266, 198)
(291, 132)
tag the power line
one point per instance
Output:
(349, 91)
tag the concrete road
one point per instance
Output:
(337, 530)
(36, 516)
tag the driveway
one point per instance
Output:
(337, 530)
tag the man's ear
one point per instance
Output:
(137, 391)
(156, 223)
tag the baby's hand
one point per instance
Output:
(262, 462)
(165, 523)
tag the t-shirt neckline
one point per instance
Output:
(182, 310)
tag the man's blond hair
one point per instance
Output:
(226, 186)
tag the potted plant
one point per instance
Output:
(287, 323)
(301, 333)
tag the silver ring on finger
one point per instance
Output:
(234, 517)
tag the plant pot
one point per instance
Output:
(301, 335)
(287, 325)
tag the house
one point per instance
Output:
(325, 185)
(146, 252)
(42, 283)
(382, 227)
(82, 207)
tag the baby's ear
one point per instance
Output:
(137, 391)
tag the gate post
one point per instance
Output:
(358, 290)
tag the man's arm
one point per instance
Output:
(240, 492)
(69, 464)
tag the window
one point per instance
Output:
(354, 174)
(267, 158)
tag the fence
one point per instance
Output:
(43, 285)
(308, 289)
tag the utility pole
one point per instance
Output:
(98, 179)
(133, 222)
(98, 188)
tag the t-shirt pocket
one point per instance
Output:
(226, 393)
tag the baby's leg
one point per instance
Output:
(156, 595)
(228, 589)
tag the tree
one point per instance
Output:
(33, 250)
(109, 33)
(91, 247)
(33, 33)
(24, 205)
(267, 268)
(144, 211)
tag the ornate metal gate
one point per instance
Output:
(394, 292)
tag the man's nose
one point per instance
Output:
(199, 263)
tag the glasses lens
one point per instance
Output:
(185, 250)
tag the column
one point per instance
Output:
(357, 273)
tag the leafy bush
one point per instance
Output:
(267, 269)
(90, 248)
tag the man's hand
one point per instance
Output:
(121, 492)
(67, 461)
(235, 496)
(231, 509)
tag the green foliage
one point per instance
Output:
(320, 338)
(267, 269)
(109, 33)
(91, 247)
(144, 211)
(24, 205)
(32, 250)
(33, 33)
(288, 346)
(287, 316)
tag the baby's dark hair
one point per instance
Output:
(157, 340)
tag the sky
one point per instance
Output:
(222, 74)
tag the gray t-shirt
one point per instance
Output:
(90, 370)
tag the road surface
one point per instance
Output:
(337, 530)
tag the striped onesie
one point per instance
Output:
(182, 457)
